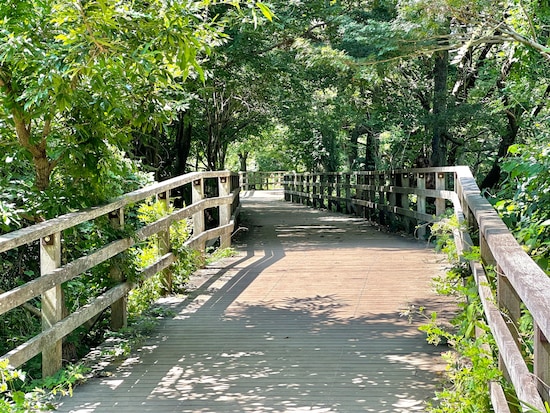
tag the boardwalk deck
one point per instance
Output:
(306, 318)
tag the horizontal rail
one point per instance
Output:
(29, 234)
(251, 180)
(410, 200)
(225, 200)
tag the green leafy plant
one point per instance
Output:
(471, 364)
(17, 396)
(148, 251)
(523, 202)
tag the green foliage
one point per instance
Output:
(471, 364)
(16, 396)
(147, 252)
(523, 201)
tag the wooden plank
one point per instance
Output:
(18, 296)
(498, 398)
(527, 278)
(52, 303)
(27, 235)
(34, 346)
(525, 383)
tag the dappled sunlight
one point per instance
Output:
(309, 320)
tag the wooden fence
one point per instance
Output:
(411, 199)
(207, 193)
(260, 180)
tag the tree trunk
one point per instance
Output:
(439, 137)
(243, 157)
(371, 153)
(43, 167)
(513, 116)
(183, 142)
(492, 178)
(353, 152)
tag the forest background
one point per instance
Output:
(100, 97)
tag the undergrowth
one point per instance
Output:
(471, 361)
(19, 392)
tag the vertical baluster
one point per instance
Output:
(224, 189)
(164, 245)
(392, 197)
(52, 302)
(197, 194)
(405, 204)
(510, 304)
(421, 204)
(119, 314)
(542, 362)
(440, 185)
(347, 188)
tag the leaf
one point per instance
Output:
(514, 149)
(265, 11)
(18, 397)
(545, 223)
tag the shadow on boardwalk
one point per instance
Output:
(305, 319)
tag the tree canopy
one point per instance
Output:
(99, 97)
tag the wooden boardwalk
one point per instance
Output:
(306, 318)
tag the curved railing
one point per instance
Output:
(204, 191)
(411, 199)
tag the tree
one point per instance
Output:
(77, 74)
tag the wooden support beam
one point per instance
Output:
(119, 311)
(52, 303)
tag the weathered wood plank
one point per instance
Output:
(530, 285)
(527, 278)
(27, 235)
(524, 382)
(56, 332)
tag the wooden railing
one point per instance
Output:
(195, 193)
(260, 180)
(410, 200)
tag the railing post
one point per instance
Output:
(510, 304)
(300, 188)
(314, 191)
(347, 188)
(165, 245)
(224, 189)
(362, 195)
(392, 198)
(405, 204)
(338, 183)
(421, 203)
(197, 194)
(294, 197)
(311, 189)
(286, 187)
(370, 212)
(243, 177)
(119, 314)
(542, 362)
(52, 303)
(440, 185)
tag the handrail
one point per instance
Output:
(48, 285)
(410, 200)
(261, 180)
